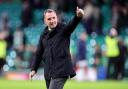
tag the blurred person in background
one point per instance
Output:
(88, 17)
(81, 3)
(4, 21)
(92, 21)
(81, 63)
(38, 4)
(26, 14)
(3, 50)
(5, 26)
(63, 5)
(112, 52)
(98, 64)
(122, 59)
(5, 38)
(53, 49)
(19, 47)
(53, 4)
(97, 56)
(120, 15)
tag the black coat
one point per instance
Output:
(53, 49)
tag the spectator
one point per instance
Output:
(112, 52)
(19, 46)
(6, 28)
(97, 56)
(92, 22)
(37, 4)
(122, 58)
(120, 16)
(3, 50)
(26, 14)
(81, 63)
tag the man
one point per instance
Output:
(53, 49)
(113, 53)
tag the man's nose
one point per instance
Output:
(52, 20)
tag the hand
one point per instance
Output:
(31, 74)
(79, 12)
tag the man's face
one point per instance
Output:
(51, 20)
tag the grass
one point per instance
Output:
(21, 84)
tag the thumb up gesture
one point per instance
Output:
(79, 12)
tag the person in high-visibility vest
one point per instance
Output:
(3, 49)
(112, 52)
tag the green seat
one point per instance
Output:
(38, 16)
(32, 34)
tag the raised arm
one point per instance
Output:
(74, 22)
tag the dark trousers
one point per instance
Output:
(118, 68)
(2, 62)
(57, 83)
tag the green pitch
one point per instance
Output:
(19, 84)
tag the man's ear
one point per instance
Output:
(44, 20)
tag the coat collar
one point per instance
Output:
(53, 29)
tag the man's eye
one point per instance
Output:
(49, 19)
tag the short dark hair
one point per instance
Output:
(48, 11)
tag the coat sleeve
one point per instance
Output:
(38, 56)
(72, 25)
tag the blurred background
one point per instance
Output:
(99, 45)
